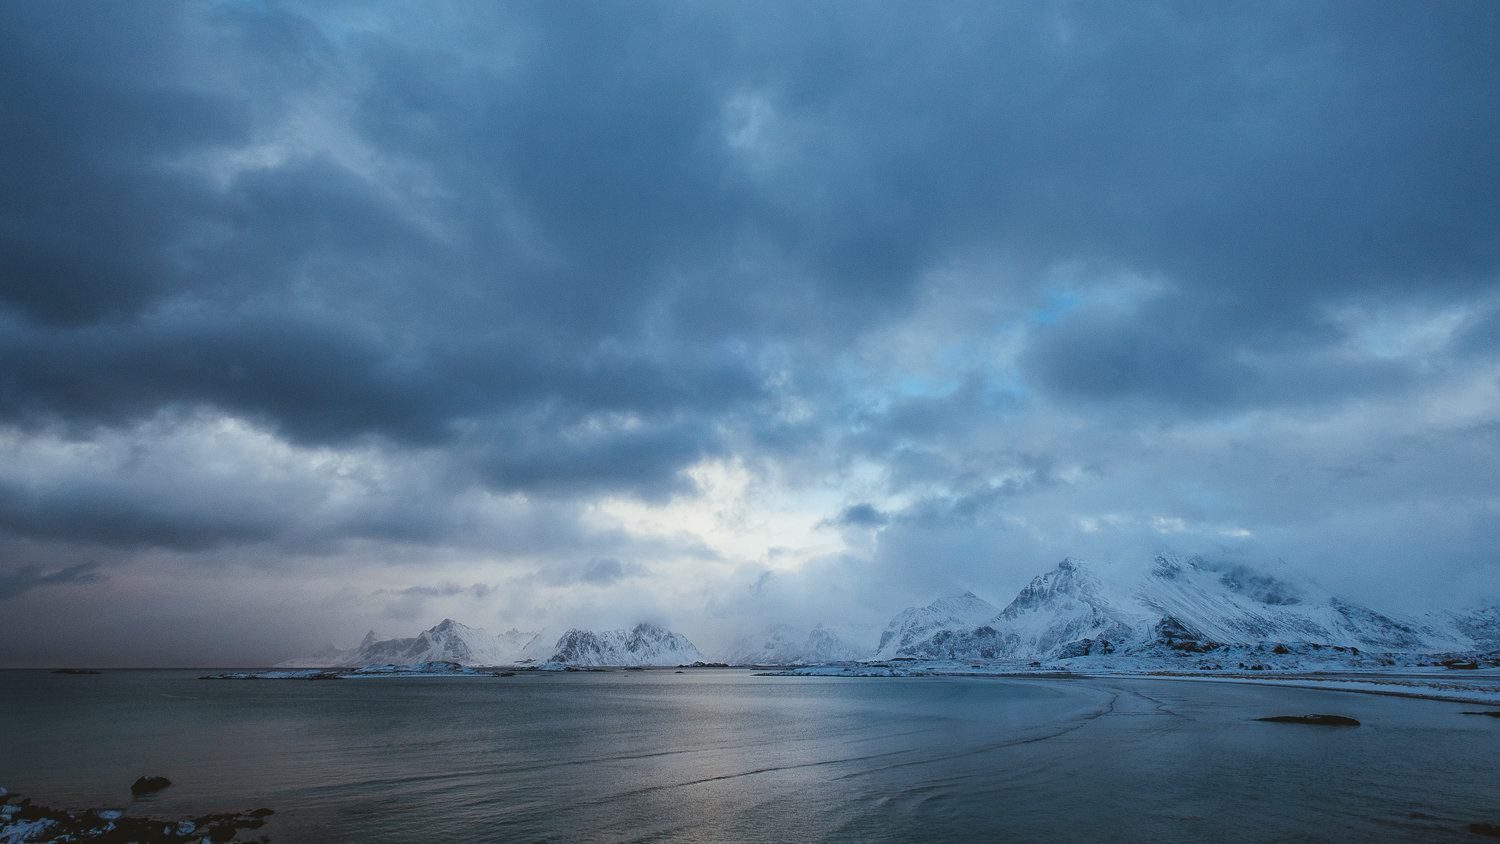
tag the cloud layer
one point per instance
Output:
(724, 315)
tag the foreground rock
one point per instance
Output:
(1494, 713)
(24, 822)
(1319, 720)
(1488, 829)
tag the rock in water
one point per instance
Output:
(1488, 829)
(1320, 720)
(1492, 714)
(148, 784)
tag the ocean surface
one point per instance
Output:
(725, 756)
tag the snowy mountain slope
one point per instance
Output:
(1232, 604)
(647, 644)
(1482, 626)
(785, 645)
(1079, 608)
(917, 624)
(449, 641)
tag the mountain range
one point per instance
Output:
(1076, 609)
(450, 641)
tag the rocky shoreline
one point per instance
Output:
(22, 822)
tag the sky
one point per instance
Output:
(323, 317)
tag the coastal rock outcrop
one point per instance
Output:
(26, 822)
(148, 784)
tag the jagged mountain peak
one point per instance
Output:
(963, 603)
(1070, 579)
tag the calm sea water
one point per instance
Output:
(725, 756)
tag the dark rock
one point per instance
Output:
(75, 671)
(1487, 829)
(506, 674)
(1466, 666)
(148, 784)
(112, 828)
(1280, 649)
(1169, 629)
(1320, 720)
(1493, 713)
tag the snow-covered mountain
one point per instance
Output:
(647, 644)
(919, 624)
(447, 642)
(785, 645)
(1481, 625)
(1079, 608)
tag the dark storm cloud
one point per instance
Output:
(16, 581)
(579, 249)
(410, 603)
(1168, 356)
(109, 515)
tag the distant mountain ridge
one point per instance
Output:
(918, 624)
(1077, 608)
(785, 645)
(450, 641)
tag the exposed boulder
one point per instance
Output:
(148, 784)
